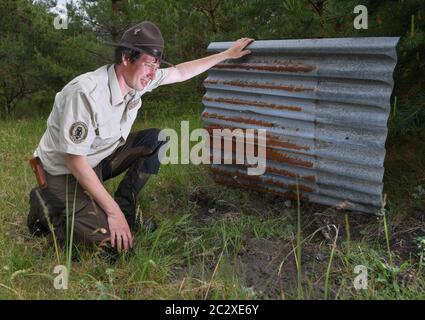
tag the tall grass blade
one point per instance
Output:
(300, 291)
(328, 270)
(49, 223)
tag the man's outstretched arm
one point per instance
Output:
(190, 69)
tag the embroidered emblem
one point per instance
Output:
(78, 132)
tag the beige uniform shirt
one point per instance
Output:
(90, 117)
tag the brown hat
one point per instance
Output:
(144, 37)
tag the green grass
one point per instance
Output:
(213, 242)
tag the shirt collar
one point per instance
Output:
(114, 87)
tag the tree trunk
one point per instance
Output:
(114, 30)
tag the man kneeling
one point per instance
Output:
(88, 141)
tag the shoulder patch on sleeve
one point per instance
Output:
(78, 132)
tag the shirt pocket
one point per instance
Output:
(107, 134)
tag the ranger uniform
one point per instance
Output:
(90, 117)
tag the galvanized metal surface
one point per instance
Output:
(325, 105)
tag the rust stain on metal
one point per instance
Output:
(211, 81)
(274, 141)
(273, 155)
(233, 147)
(269, 169)
(238, 179)
(277, 67)
(269, 181)
(258, 85)
(290, 174)
(254, 103)
(253, 186)
(210, 128)
(242, 120)
(265, 86)
(300, 187)
(271, 140)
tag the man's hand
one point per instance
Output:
(120, 232)
(237, 50)
(190, 69)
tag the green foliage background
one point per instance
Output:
(36, 60)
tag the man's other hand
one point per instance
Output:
(120, 231)
(237, 50)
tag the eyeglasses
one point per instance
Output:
(152, 66)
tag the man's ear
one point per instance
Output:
(125, 60)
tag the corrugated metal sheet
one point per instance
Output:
(325, 105)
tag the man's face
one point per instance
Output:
(138, 74)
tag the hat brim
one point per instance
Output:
(141, 50)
